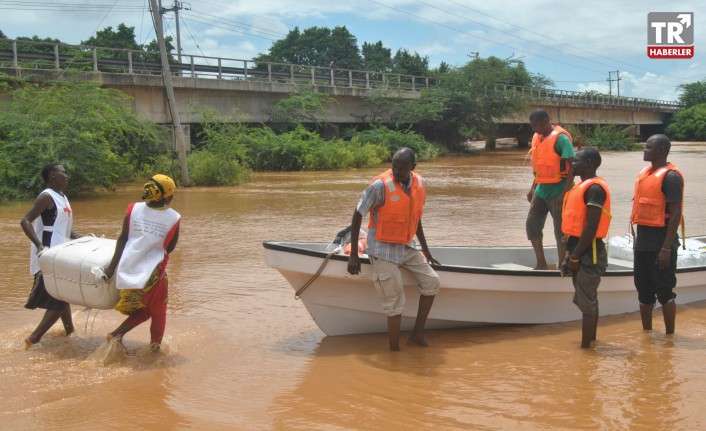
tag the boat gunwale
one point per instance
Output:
(281, 246)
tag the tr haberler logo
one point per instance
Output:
(670, 34)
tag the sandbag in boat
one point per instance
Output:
(71, 272)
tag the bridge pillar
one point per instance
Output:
(490, 144)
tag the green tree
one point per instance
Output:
(302, 107)
(471, 99)
(410, 64)
(89, 129)
(689, 124)
(2, 35)
(122, 37)
(692, 94)
(316, 46)
(376, 57)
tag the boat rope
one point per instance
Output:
(299, 292)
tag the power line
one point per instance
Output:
(264, 30)
(240, 28)
(482, 38)
(196, 43)
(499, 43)
(193, 19)
(544, 36)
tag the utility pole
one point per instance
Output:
(610, 81)
(176, 7)
(167, 79)
(617, 74)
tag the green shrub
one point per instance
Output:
(689, 124)
(87, 128)
(610, 138)
(393, 140)
(210, 169)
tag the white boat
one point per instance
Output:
(479, 286)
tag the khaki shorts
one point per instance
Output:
(387, 279)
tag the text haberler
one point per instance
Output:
(670, 52)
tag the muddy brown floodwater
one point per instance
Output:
(240, 353)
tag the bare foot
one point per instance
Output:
(69, 330)
(28, 343)
(418, 340)
(118, 338)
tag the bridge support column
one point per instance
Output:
(490, 144)
(522, 142)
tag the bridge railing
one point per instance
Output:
(588, 98)
(28, 54)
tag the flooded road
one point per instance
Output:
(240, 353)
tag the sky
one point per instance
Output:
(574, 43)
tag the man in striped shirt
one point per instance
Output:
(395, 201)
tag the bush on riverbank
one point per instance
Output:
(610, 138)
(261, 149)
(89, 129)
(606, 138)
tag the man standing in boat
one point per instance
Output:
(585, 221)
(551, 157)
(657, 210)
(395, 201)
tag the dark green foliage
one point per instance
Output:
(89, 129)
(393, 140)
(302, 107)
(261, 149)
(211, 169)
(376, 57)
(316, 46)
(693, 93)
(610, 138)
(689, 124)
(122, 37)
(410, 64)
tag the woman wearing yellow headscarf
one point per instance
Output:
(150, 232)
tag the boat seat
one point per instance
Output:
(510, 265)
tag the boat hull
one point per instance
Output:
(341, 303)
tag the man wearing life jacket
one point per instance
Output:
(395, 201)
(551, 157)
(585, 221)
(150, 232)
(657, 210)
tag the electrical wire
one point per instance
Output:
(544, 36)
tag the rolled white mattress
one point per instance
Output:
(69, 271)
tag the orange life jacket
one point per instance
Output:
(649, 204)
(573, 214)
(399, 217)
(546, 163)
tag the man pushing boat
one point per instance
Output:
(395, 201)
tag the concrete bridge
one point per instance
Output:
(253, 88)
